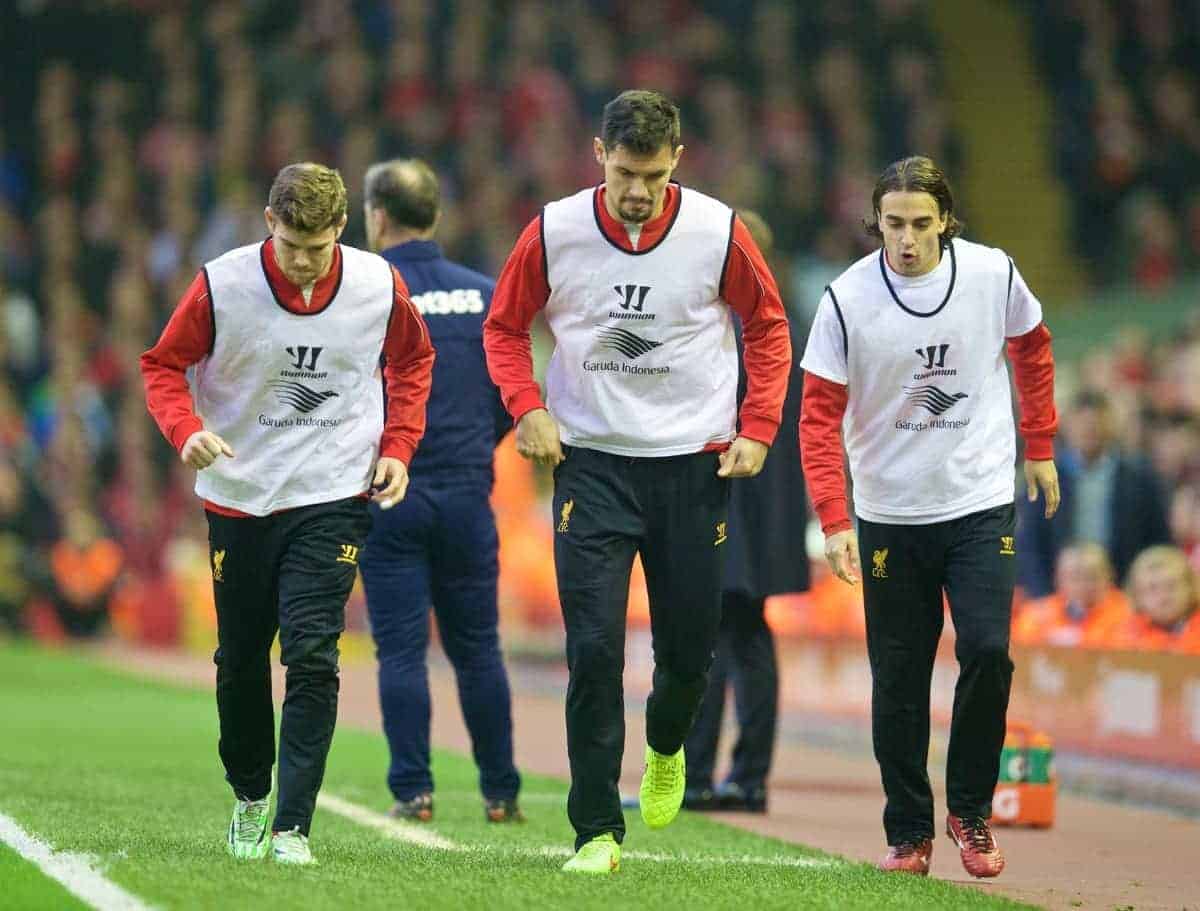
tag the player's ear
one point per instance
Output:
(598, 150)
(678, 154)
(269, 217)
(341, 226)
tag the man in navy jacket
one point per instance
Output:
(439, 546)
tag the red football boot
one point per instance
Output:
(981, 856)
(908, 857)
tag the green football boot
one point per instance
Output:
(662, 788)
(599, 856)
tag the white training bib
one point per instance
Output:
(929, 425)
(299, 398)
(645, 362)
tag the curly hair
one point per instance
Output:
(308, 197)
(915, 174)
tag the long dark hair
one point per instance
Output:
(915, 174)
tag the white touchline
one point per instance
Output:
(755, 860)
(411, 832)
(417, 834)
(76, 872)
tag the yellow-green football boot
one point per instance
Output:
(662, 788)
(599, 856)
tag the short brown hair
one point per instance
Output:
(915, 174)
(407, 190)
(308, 197)
(642, 121)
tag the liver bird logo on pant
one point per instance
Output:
(879, 558)
(564, 517)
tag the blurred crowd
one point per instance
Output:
(129, 161)
(1126, 79)
(1128, 534)
(138, 140)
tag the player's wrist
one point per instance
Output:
(400, 450)
(184, 431)
(833, 515)
(524, 402)
(1039, 448)
(759, 429)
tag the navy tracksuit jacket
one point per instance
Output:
(438, 547)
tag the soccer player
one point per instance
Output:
(906, 358)
(763, 513)
(286, 424)
(439, 547)
(638, 279)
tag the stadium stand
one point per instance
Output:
(125, 164)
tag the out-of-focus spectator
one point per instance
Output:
(1174, 447)
(1185, 522)
(1085, 608)
(1110, 497)
(1165, 596)
(20, 334)
(84, 566)
(16, 570)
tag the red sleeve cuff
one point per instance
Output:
(524, 402)
(833, 515)
(400, 449)
(760, 429)
(1039, 448)
(184, 429)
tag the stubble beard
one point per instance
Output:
(636, 216)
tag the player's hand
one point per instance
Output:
(1042, 473)
(391, 476)
(743, 459)
(202, 448)
(841, 550)
(538, 439)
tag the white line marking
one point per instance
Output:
(412, 832)
(419, 834)
(776, 860)
(527, 797)
(78, 873)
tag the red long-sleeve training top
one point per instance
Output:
(188, 338)
(748, 287)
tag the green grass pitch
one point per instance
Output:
(96, 762)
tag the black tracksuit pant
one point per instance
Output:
(607, 508)
(745, 655)
(289, 572)
(905, 570)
